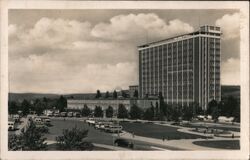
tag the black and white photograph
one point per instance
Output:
(125, 80)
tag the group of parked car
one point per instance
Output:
(107, 126)
(69, 114)
(64, 114)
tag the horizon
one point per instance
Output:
(89, 92)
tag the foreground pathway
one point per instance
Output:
(115, 148)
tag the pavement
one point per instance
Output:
(115, 148)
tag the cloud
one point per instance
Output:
(12, 29)
(40, 75)
(139, 26)
(66, 56)
(230, 25)
(230, 71)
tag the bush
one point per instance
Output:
(73, 140)
(31, 140)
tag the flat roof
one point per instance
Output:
(179, 36)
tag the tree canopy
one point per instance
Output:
(73, 139)
(135, 112)
(109, 112)
(122, 111)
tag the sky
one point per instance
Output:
(80, 51)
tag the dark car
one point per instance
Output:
(124, 143)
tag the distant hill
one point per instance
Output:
(227, 91)
(32, 96)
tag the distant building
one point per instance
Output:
(132, 90)
(185, 69)
(114, 103)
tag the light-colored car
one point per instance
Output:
(16, 118)
(113, 129)
(63, 114)
(38, 120)
(70, 114)
(12, 125)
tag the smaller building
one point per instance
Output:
(78, 104)
(132, 90)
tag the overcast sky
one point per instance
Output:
(77, 51)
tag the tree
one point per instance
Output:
(187, 113)
(122, 111)
(162, 104)
(61, 104)
(45, 102)
(215, 114)
(39, 107)
(115, 94)
(107, 94)
(109, 112)
(149, 113)
(230, 106)
(176, 114)
(135, 112)
(98, 112)
(136, 94)
(31, 140)
(213, 109)
(25, 107)
(85, 111)
(211, 105)
(98, 94)
(74, 140)
(13, 107)
(157, 111)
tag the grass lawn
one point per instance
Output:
(157, 131)
(225, 128)
(220, 144)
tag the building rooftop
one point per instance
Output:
(206, 29)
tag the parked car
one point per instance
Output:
(56, 114)
(63, 114)
(12, 125)
(76, 114)
(70, 114)
(113, 129)
(47, 121)
(91, 121)
(38, 120)
(105, 125)
(16, 118)
(123, 143)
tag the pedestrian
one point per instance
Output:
(232, 136)
(163, 138)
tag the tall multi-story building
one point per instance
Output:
(185, 68)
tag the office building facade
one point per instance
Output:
(185, 69)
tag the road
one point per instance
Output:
(96, 136)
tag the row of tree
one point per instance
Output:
(227, 107)
(38, 105)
